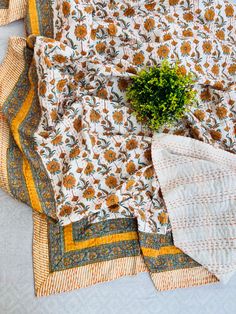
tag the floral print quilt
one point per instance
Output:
(95, 151)
(78, 156)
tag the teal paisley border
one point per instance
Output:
(26, 130)
(4, 4)
(59, 260)
(169, 262)
(11, 107)
(165, 262)
(84, 230)
(45, 18)
(16, 179)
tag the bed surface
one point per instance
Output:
(129, 295)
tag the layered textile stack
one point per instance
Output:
(102, 187)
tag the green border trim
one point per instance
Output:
(59, 260)
(4, 4)
(45, 18)
(26, 130)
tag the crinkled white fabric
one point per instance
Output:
(198, 183)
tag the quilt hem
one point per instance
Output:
(182, 278)
(47, 283)
(15, 52)
(15, 11)
(9, 68)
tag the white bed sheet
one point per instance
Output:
(129, 295)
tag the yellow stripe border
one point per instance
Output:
(15, 126)
(33, 17)
(165, 250)
(22, 114)
(71, 245)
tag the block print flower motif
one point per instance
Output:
(96, 153)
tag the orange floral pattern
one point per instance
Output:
(95, 151)
(89, 127)
(200, 34)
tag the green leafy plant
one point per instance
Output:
(161, 94)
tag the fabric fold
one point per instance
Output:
(198, 185)
(96, 153)
(12, 10)
(11, 66)
(76, 117)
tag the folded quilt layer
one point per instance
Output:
(198, 185)
(81, 90)
(96, 153)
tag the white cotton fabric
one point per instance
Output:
(198, 183)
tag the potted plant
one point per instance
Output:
(161, 94)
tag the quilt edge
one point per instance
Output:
(47, 283)
(16, 11)
(182, 278)
(15, 51)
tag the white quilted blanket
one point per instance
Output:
(198, 185)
